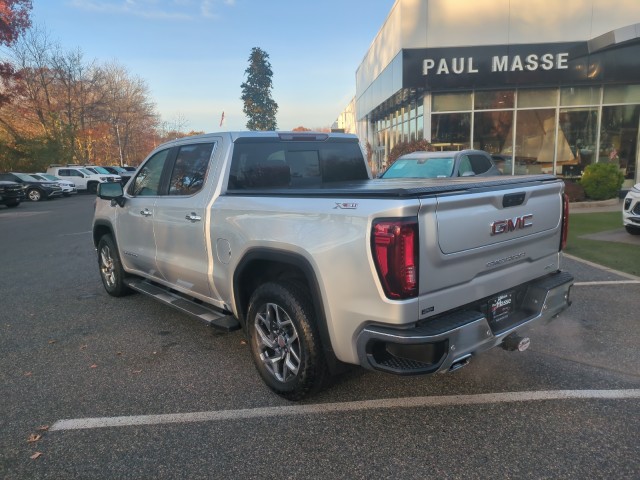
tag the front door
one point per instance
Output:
(135, 221)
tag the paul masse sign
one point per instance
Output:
(499, 63)
(495, 66)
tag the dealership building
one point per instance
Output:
(543, 86)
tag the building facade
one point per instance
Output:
(543, 86)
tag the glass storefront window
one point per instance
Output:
(494, 100)
(451, 131)
(577, 137)
(571, 96)
(619, 138)
(547, 97)
(622, 94)
(450, 102)
(535, 141)
(492, 131)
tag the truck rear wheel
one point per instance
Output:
(284, 340)
(111, 270)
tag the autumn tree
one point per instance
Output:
(14, 20)
(259, 107)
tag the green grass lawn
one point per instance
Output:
(619, 256)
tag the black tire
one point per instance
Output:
(111, 271)
(284, 340)
(34, 194)
(632, 230)
(92, 188)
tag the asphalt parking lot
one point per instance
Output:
(98, 387)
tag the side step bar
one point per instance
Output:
(209, 315)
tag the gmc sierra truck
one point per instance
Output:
(287, 236)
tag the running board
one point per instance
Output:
(212, 317)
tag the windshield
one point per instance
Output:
(86, 172)
(436, 167)
(49, 177)
(101, 170)
(24, 177)
(37, 177)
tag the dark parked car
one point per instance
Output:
(463, 163)
(11, 193)
(36, 190)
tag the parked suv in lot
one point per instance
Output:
(84, 179)
(125, 174)
(11, 193)
(111, 177)
(36, 190)
(68, 187)
(631, 211)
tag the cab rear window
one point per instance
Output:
(292, 164)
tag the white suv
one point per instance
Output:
(111, 177)
(631, 211)
(83, 178)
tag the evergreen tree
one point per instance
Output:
(259, 107)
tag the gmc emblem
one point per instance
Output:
(511, 224)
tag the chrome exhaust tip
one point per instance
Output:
(515, 342)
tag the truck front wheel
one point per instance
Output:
(111, 271)
(284, 340)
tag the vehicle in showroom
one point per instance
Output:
(631, 210)
(445, 164)
(35, 190)
(11, 193)
(68, 187)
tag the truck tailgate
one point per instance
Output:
(476, 244)
(480, 220)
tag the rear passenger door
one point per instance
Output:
(180, 219)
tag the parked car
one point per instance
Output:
(129, 168)
(68, 187)
(11, 193)
(463, 163)
(36, 190)
(125, 175)
(84, 179)
(111, 177)
(631, 210)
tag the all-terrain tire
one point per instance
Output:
(284, 340)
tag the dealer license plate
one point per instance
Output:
(501, 306)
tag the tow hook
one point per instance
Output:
(515, 342)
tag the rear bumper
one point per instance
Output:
(438, 344)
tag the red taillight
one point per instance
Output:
(565, 221)
(395, 252)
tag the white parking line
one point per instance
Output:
(324, 408)
(607, 282)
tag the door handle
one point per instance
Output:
(145, 212)
(193, 217)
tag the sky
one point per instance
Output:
(192, 54)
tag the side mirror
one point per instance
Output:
(111, 191)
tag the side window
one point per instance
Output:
(479, 163)
(190, 169)
(147, 181)
(465, 169)
(63, 172)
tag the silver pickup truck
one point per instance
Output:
(286, 236)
